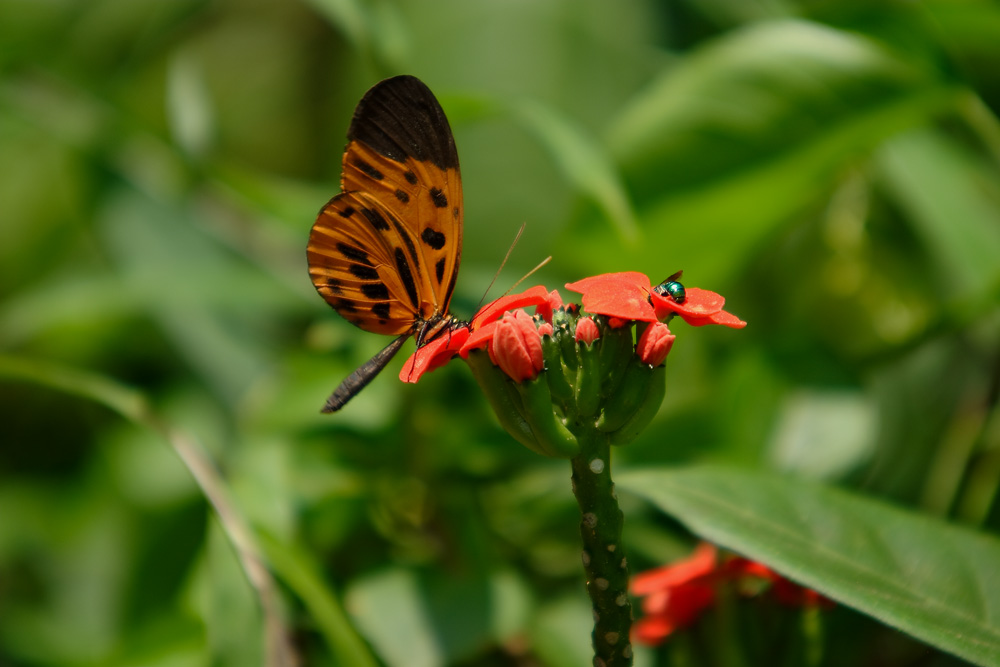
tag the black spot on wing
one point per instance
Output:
(402, 196)
(410, 177)
(410, 245)
(354, 254)
(345, 306)
(368, 170)
(439, 270)
(346, 212)
(433, 238)
(439, 198)
(375, 291)
(363, 272)
(376, 219)
(334, 285)
(399, 118)
(381, 310)
(403, 267)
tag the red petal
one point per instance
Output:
(433, 355)
(653, 630)
(701, 563)
(495, 310)
(479, 339)
(517, 346)
(727, 320)
(654, 344)
(624, 295)
(552, 302)
(699, 303)
(586, 331)
(701, 307)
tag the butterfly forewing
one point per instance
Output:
(401, 209)
(385, 252)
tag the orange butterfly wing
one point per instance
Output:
(385, 252)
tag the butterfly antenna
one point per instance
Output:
(504, 262)
(528, 274)
(517, 237)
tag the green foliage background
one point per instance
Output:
(830, 166)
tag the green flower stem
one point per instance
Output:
(603, 554)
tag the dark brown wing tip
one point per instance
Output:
(400, 118)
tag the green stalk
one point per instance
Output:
(603, 554)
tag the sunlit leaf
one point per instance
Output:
(936, 581)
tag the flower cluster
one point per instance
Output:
(677, 594)
(546, 373)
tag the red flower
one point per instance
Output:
(623, 295)
(552, 302)
(701, 307)
(654, 344)
(494, 311)
(517, 347)
(439, 351)
(677, 594)
(586, 331)
(434, 354)
(630, 296)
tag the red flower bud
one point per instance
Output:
(655, 343)
(517, 347)
(552, 302)
(586, 331)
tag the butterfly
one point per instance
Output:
(384, 253)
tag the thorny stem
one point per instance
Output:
(603, 554)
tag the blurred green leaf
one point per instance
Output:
(423, 621)
(583, 162)
(729, 143)
(559, 632)
(952, 203)
(301, 573)
(128, 402)
(935, 581)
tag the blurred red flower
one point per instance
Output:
(677, 594)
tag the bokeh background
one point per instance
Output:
(831, 166)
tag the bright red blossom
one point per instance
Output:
(623, 298)
(677, 594)
(701, 307)
(623, 295)
(494, 310)
(552, 302)
(438, 352)
(630, 296)
(517, 347)
(434, 354)
(586, 331)
(654, 344)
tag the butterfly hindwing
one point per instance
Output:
(357, 263)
